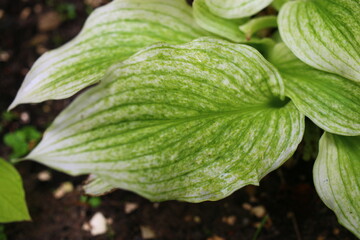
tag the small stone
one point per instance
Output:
(98, 224)
(109, 221)
(230, 220)
(336, 231)
(25, 117)
(44, 176)
(130, 207)
(25, 13)
(197, 219)
(2, 13)
(259, 211)
(49, 21)
(4, 56)
(215, 237)
(247, 206)
(156, 205)
(147, 232)
(320, 238)
(86, 227)
(64, 188)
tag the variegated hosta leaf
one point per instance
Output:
(331, 101)
(191, 122)
(226, 28)
(111, 34)
(236, 8)
(324, 34)
(336, 176)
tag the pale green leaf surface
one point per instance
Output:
(324, 34)
(336, 176)
(12, 196)
(226, 28)
(96, 186)
(236, 8)
(192, 122)
(111, 34)
(329, 100)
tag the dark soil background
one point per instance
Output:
(284, 207)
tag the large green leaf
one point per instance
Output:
(329, 100)
(324, 34)
(12, 197)
(111, 34)
(337, 180)
(236, 8)
(192, 122)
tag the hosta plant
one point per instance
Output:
(193, 103)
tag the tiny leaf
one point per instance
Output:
(236, 8)
(324, 34)
(336, 177)
(111, 34)
(329, 100)
(192, 122)
(12, 196)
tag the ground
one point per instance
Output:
(284, 207)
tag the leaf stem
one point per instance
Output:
(257, 24)
(257, 233)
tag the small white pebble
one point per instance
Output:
(259, 211)
(86, 227)
(98, 224)
(44, 176)
(147, 232)
(64, 188)
(25, 117)
(130, 207)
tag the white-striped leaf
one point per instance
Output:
(337, 180)
(329, 100)
(324, 34)
(191, 122)
(111, 34)
(226, 28)
(236, 8)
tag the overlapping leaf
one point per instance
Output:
(111, 33)
(331, 101)
(324, 34)
(12, 196)
(192, 122)
(226, 28)
(236, 8)
(336, 177)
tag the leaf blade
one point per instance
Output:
(237, 9)
(217, 25)
(111, 34)
(329, 100)
(12, 197)
(177, 122)
(336, 178)
(324, 34)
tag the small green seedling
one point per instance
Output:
(21, 141)
(94, 202)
